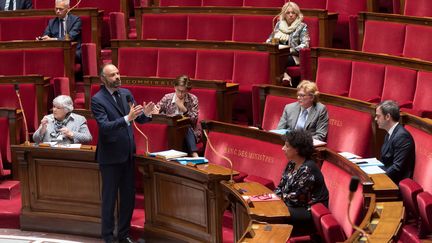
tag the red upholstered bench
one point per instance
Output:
(210, 27)
(256, 154)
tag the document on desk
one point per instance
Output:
(371, 170)
(367, 162)
(349, 156)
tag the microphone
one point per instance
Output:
(67, 37)
(131, 102)
(353, 188)
(204, 128)
(17, 92)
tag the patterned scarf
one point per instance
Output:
(284, 30)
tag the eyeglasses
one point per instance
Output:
(300, 95)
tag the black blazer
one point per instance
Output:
(20, 4)
(73, 27)
(398, 154)
(116, 140)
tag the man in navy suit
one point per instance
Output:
(64, 23)
(114, 110)
(10, 5)
(398, 150)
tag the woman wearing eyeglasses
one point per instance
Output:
(302, 183)
(307, 113)
(62, 125)
(181, 102)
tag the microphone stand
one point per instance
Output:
(231, 181)
(139, 130)
(27, 141)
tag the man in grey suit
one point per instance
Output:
(63, 126)
(11, 5)
(307, 113)
(398, 150)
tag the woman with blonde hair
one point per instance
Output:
(290, 30)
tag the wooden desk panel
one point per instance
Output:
(269, 233)
(183, 202)
(60, 190)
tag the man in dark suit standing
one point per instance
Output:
(398, 150)
(116, 149)
(64, 24)
(11, 5)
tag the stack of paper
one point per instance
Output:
(370, 170)
(169, 154)
(348, 155)
(367, 162)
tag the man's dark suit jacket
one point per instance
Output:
(116, 140)
(20, 4)
(73, 27)
(398, 154)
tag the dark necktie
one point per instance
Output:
(119, 101)
(11, 3)
(61, 32)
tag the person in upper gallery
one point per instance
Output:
(182, 102)
(290, 30)
(64, 23)
(306, 113)
(11, 5)
(63, 125)
(115, 151)
(302, 183)
(398, 150)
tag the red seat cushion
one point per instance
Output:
(424, 200)
(417, 43)
(384, 37)
(214, 64)
(244, 31)
(332, 230)
(409, 190)
(367, 81)
(155, 26)
(210, 27)
(144, 61)
(399, 85)
(175, 62)
(333, 76)
(318, 210)
(273, 110)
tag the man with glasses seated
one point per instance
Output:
(307, 113)
(62, 125)
(181, 102)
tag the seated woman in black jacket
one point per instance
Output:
(302, 183)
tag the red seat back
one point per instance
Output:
(251, 68)
(367, 81)
(94, 130)
(337, 181)
(422, 100)
(399, 84)
(391, 37)
(180, 2)
(144, 61)
(320, 4)
(251, 156)
(333, 76)
(273, 110)
(54, 66)
(154, 26)
(13, 28)
(313, 28)
(222, 3)
(417, 44)
(157, 137)
(5, 154)
(260, 3)
(424, 200)
(349, 130)
(214, 65)
(423, 157)
(17, 56)
(210, 27)
(244, 31)
(422, 8)
(175, 62)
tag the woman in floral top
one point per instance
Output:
(181, 102)
(302, 183)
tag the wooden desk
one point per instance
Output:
(60, 190)
(384, 188)
(244, 213)
(183, 202)
(269, 233)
